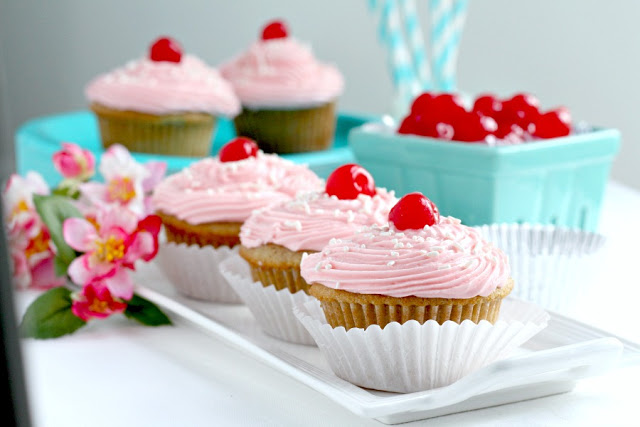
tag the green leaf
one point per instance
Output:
(50, 316)
(146, 312)
(53, 210)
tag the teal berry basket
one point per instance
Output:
(559, 181)
(36, 141)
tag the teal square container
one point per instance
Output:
(559, 181)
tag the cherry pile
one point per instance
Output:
(514, 119)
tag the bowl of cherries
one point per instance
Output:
(493, 159)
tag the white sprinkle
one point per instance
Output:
(337, 285)
(390, 263)
(394, 253)
(458, 246)
(385, 233)
(400, 234)
(433, 254)
(394, 241)
(328, 266)
(319, 211)
(350, 216)
(398, 245)
(426, 227)
(210, 191)
(346, 249)
(444, 267)
(437, 248)
(363, 246)
(409, 245)
(336, 213)
(423, 252)
(418, 239)
(318, 266)
(293, 224)
(307, 208)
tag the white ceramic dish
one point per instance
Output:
(551, 362)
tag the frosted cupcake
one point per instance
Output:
(421, 267)
(288, 98)
(204, 206)
(166, 103)
(275, 239)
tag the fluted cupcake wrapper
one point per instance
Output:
(188, 134)
(272, 308)
(412, 357)
(194, 271)
(552, 266)
(281, 278)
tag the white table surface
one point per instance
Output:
(116, 373)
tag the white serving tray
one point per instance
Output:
(550, 363)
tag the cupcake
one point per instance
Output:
(288, 98)
(203, 207)
(266, 274)
(420, 267)
(275, 239)
(166, 103)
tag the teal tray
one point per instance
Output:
(560, 181)
(37, 140)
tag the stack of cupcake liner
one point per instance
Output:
(412, 357)
(194, 271)
(272, 308)
(552, 266)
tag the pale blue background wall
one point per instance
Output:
(583, 54)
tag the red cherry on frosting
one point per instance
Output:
(165, 49)
(239, 148)
(275, 30)
(414, 211)
(553, 124)
(350, 180)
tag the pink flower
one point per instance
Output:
(32, 251)
(117, 239)
(74, 162)
(127, 182)
(95, 301)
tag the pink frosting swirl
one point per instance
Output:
(312, 219)
(282, 73)
(213, 191)
(446, 260)
(164, 88)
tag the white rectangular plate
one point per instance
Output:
(550, 363)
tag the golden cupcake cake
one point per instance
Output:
(420, 266)
(164, 103)
(274, 240)
(288, 97)
(204, 206)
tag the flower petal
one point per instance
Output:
(120, 284)
(79, 234)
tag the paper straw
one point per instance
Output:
(447, 20)
(416, 43)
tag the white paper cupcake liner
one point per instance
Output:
(194, 272)
(412, 357)
(272, 308)
(551, 266)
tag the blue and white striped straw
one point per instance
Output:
(416, 43)
(404, 76)
(447, 21)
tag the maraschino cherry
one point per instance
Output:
(165, 49)
(239, 148)
(275, 30)
(414, 211)
(350, 180)
(553, 124)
